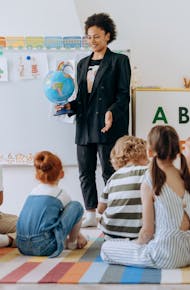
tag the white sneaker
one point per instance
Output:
(89, 220)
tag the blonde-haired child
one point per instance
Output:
(49, 220)
(120, 202)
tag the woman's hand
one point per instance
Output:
(66, 106)
(108, 121)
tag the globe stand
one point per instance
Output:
(62, 112)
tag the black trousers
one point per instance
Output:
(87, 162)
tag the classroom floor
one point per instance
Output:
(92, 232)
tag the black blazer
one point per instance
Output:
(110, 92)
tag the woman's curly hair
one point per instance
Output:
(103, 21)
(128, 149)
(48, 167)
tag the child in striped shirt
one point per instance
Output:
(120, 202)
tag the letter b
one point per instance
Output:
(183, 115)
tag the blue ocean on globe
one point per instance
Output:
(58, 87)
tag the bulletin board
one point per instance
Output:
(26, 121)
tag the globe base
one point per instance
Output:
(62, 111)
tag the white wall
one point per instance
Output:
(19, 180)
(157, 32)
(39, 18)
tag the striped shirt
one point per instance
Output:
(123, 215)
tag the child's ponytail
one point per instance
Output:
(158, 176)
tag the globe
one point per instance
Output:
(58, 87)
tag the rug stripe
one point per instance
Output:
(6, 250)
(38, 259)
(113, 274)
(94, 273)
(186, 275)
(75, 256)
(56, 273)
(43, 258)
(36, 274)
(132, 275)
(10, 255)
(98, 259)
(151, 276)
(17, 274)
(93, 252)
(75, 273)
(171, 276)
(6, 268)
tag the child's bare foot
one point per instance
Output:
(70, 245)
(81, 241)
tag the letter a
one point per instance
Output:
(160, 116)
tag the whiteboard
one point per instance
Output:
(26, 123)
(175, 110)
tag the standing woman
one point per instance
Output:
(101, 107)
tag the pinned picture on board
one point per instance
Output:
(3, 69)
(32, 66)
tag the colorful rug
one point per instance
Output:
(80, 267)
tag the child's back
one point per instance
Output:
(49, 221)
(123, 215)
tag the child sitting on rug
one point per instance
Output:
(7, 222)
(49, 220)
(164, 239)
(120, 202)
